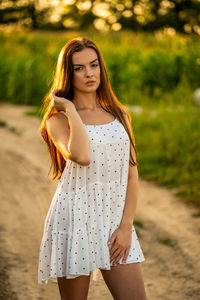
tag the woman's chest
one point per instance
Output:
(107, 133)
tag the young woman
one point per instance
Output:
(89, 224)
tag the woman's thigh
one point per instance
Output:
(74, 289)
(125, 281)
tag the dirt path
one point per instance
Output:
(170, 272)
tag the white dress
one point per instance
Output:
(86, 209)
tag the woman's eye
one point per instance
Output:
(77, 68)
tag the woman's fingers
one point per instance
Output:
(122, 245)
(115, 254)
(119, 256)
(52, 97)
(126, 255)
(53, 93)
(113, 248)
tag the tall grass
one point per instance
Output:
(169, 145)
(141, 68)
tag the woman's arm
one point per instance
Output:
(70, 136)
(131, 199)
(132, 190)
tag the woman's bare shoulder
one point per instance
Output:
(56, 121)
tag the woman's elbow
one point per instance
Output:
(83, 161)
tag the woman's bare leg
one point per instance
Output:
(74, 289)
(125, 281)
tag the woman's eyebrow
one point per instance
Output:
(90, 62)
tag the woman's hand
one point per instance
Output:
(60, 103)
(122, 237)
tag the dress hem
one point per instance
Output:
(54, 279)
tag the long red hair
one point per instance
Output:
(62, 80)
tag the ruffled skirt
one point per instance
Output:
(77, 228)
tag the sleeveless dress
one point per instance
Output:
(87, 208)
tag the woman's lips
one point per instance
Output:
(90, 83)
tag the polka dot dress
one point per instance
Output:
(86, 209)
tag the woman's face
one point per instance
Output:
(85, 68)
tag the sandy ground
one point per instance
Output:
(170, 271)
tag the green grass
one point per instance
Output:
(3, 123)
(35, 112)
(141, 68)
(138, 223)
(168, 145)
(167, 241)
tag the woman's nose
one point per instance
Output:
(88, 71)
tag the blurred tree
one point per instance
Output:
(24, 13)
(107, 15)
